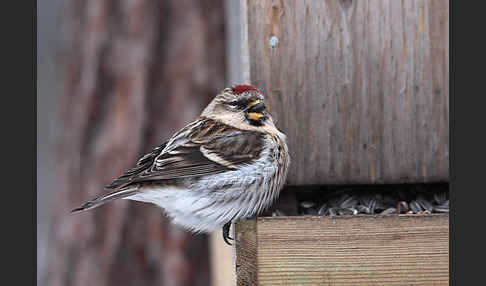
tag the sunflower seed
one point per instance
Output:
(349, 202)
(333, 212)
(440, 198)
(415, 206)
(345, 211)
(441, 208)
(402, 207)
(307, 205)
(363, 209)
(424, 203)
(322, 210)
(389, 211)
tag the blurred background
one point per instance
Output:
(116, 78)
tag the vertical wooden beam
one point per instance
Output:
(222, 261)
(246, 252)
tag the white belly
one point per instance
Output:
(206, 205)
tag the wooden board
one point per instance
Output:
(361, 88)
(222, 259)
(351, 250)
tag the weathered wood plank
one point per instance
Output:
(357, 250)
(360, 87)
(246, 253)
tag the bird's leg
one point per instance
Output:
(226, 229)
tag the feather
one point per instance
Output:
(106, 198)
(204, 147)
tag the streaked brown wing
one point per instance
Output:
(209, 147)
(143, 164)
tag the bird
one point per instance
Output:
(230, 163)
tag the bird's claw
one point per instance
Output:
(226, 236)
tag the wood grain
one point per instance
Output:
(357, 250)
(246, 253)
(360, 87)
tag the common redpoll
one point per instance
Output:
(230, 163)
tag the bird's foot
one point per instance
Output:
(226, 229)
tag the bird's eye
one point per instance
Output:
(232, 104)
(239, 104)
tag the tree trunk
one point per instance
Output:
(135, 72)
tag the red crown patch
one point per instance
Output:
(239, 89)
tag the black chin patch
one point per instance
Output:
(257, 122)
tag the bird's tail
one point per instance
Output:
(106, 198)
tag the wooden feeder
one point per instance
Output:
(361, 89)
(348, 250)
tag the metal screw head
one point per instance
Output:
(273, 41)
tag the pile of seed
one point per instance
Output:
(353, 201)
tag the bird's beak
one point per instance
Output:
(254, 103)
(255, 116)
(255, 110)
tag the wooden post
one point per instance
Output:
(360, 87)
